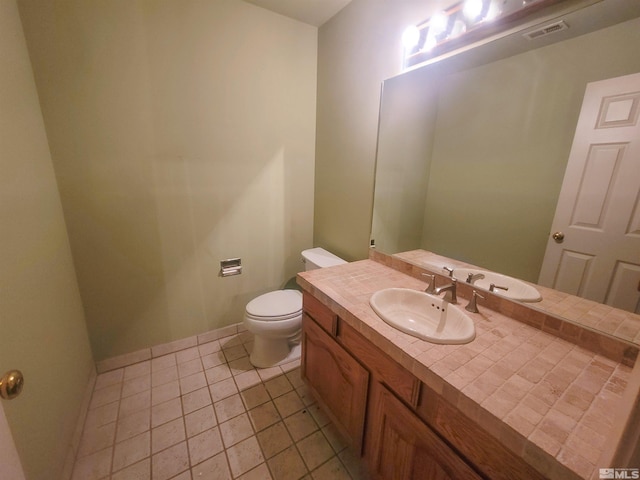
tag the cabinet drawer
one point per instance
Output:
(383, 367)
(320, 313)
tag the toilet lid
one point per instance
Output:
(276, 304)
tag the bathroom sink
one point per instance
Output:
(423, 315)
(517, 289)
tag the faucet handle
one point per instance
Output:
(493, 286)
(448, 269)
(431, 288)
(473, 303)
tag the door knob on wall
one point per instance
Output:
(11, 384)
(558, 237)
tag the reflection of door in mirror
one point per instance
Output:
(599, 206)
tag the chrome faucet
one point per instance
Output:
(472, 277)
(450, 289)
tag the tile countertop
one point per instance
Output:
(544, 397)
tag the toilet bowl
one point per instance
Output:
(275, 318)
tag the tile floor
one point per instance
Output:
(205, 413)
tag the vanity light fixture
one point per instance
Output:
(464, 23)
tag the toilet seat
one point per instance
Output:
(274, 306)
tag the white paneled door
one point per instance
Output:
(594, 245)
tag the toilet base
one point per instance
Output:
(272, 352)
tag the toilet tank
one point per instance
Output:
(319, 258)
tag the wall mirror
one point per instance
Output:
(472, 148)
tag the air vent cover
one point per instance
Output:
(546, 30)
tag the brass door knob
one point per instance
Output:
(558, 237)
(11, 384)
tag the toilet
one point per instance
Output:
(275, 318)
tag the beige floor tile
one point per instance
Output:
(137, 471)
(205, 445)
(109, 378)
(209, 348)
(103, 396)
(161, 363)
(217, 374)
(200, 420)
(136, 385)
(235, 430)
(165, 392)
(192, 382)
(215, 468)
(102, 415)
(274, 439)
(263, 416)
(97, 438)
(94, 466)
(278, 386)
(315, 450)
(240, 365)
(190, 367)
(248, 379)
(269, 373)
(288, 404)
(255, 396)
(170, 462)
(234, 353)
(229, 408)
(187, 355)
(213, 360)
(335, 439)
(135, 403)
(295, 377)
(261, 472)
(166, 375)
(300, 425)
(318, 415)
(196, 400)
(133, 425)
(166, 412)
(244, 456)
(333, 469)
(137, 370)
(287, 465)
(167, 434)
(223, 389)
(131, 451)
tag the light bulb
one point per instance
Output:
(472, 9)
(410, 37)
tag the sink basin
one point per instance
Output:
(517, 289)
(423, 315)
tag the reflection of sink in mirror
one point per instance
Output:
(423, 315)
(515, 289)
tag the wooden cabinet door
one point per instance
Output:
(336, 379)
(401, 447)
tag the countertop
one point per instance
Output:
(549, 400)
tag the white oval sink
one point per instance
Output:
(423, 315)
(517, 289)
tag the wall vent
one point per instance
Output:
(546, 30)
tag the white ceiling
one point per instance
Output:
(313, 12)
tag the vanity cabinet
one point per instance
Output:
(404, 448)
(402, 428)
